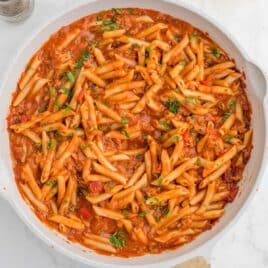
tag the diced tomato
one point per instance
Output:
(95, 187)
(207, 81)
(186, 135)
(80, 96)
(85, 212)
(24, 118)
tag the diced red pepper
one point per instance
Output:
(207, 81)
(85, 212)
(186, 136)
(80, 96)
(95, 187)
(24, 118)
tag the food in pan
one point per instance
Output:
(129, 131)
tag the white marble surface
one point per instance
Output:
(246, 244)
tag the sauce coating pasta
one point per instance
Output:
(129, 131)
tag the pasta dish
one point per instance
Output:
(129, 131)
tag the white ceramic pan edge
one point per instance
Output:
(256, 90)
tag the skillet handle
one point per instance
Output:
(200, 257)
(196, 262)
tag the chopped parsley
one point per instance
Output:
(192, 132)
(131, 11)
(166, 212)
(70, 77)
(57, 105)
(51, 143)
(231, 108)
(123, 131)
(52, 91)
(66, 109)
(42, 109)
(226, 115)
(125, 212)
(175, 139)
(159, 180)
(154, 201)
(109, 25)
(118, 239)
(84, 146)
(107, 103)
(145, 136)
(164, 124)
(215, 52)
(84, 56)
(106, 22)
(124, 121)
(144, 213)
(192, 100)
(177, 37)
(117, 11)
(172, 105)
(72, 208)
(110, 185)
(228, 138)
(148, 50)
(232, 105)
(66, 91)
(104, 128)
(198, 161)
(52, 183)
(193, 36)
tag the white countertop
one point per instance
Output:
(246, 243)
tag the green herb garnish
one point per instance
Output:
(124, 121)
(154, 201)
(42, 109)
(118, 239)
(52, 91)
(51, 143)
(192, 100)
(228, 138)
(193, 36)
(110, 185)
(84, 56)
(131, 11)
(175, 139)
(117, 11)
(70, 77)
(57, 105)
(52, 183)
(125, 212)
(172, 105)
(215, 52)
(164, 124)
(84, 146)
(144, 213)
(123, 131)
(177, 37)
(159, 180)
